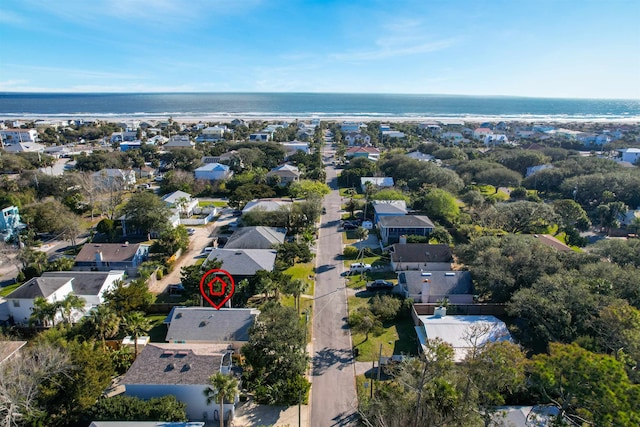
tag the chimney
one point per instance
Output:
(403, 240)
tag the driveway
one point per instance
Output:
(333, 393)
(200, 240)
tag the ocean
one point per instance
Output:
(308, 105)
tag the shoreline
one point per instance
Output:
(274, 117)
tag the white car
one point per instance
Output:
(358, 267)
(191, 231)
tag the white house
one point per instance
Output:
(353, 138)
(495, 139)
(213, 172)
(631, 155)
(55, 286)
(23, 147)
(118, 177)
(181, 201)
(18, 135)
(458, 330)
(183, 371)
(213, 133)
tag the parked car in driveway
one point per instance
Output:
(358, 267)
(191, 231)
(349, 226)
(379, 285)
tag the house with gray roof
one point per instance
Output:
(388, 208)
(213, 172)
(201, 325)
(244, 263)
(420, 256)
(434, 286)
(21, 300)
(56, 285)
(256, 238)
(287, 173)
(393, 227)
(179, 141)
(183, 371)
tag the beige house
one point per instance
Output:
(286, 172)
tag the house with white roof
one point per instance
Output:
(460, 331)
(213, 172)
(266, 205)
(23, 147)
(421, 157)
(13, 135)
(181, 201)
(631, 155)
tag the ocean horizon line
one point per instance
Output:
(434, 95)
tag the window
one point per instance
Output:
(16, 303)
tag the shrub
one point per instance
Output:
(350, 252)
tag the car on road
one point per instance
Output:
(358, 267)
(379, 285)
(191, 231)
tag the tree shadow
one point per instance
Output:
(328, 357)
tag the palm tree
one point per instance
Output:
(43, 312)
(136, 324)
(296, 288)
(70, 303)
(222, 387)
(105, 323)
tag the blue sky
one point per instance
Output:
(541, 48)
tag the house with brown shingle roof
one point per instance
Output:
(183, 371)
(111, 256)
(420, 256)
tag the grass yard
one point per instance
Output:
(349, 237)
(303, 271)
(8, 289)
(344, 192)
(398, 337)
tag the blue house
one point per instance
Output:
(10, 222)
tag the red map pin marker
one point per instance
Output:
(217, 287)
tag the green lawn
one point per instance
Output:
(398, 337)
(8, 289)
(303, 271)
(209, 203)
(348, 237)
(344, 192)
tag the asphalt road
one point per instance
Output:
(333, 395)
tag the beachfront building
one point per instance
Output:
(9, 136)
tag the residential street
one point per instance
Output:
(333, 393)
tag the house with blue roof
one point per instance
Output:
(213, 172)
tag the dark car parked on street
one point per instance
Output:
(379, 285)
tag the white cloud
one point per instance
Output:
(394, 47)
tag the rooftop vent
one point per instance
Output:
(182, 353)
(167, 353)
(425, 274)
(178, 316)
